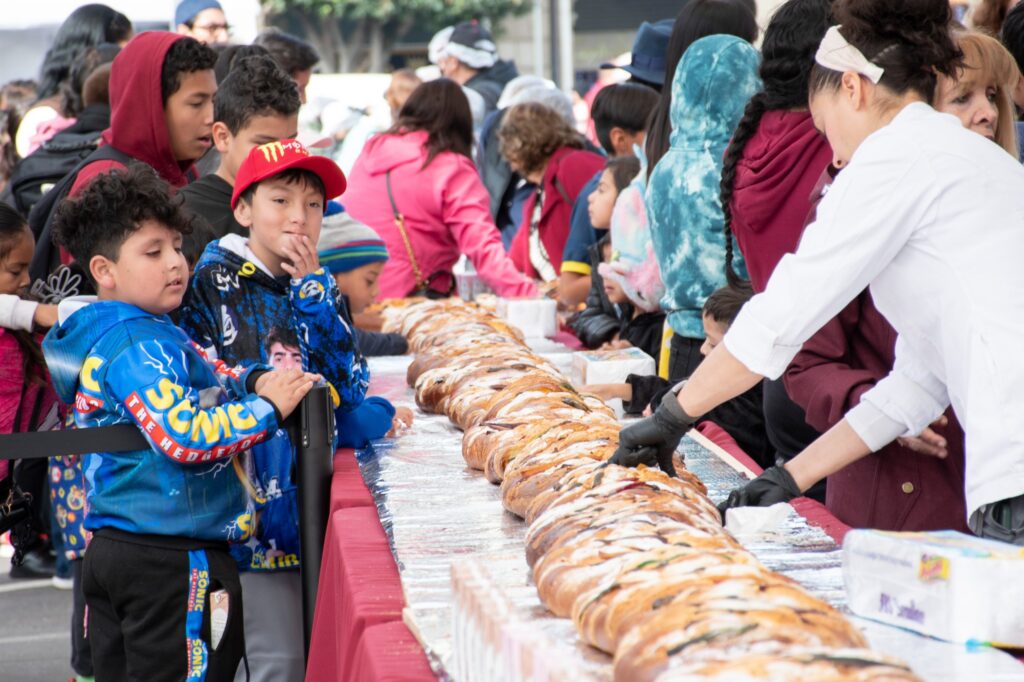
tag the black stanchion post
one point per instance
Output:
(314, 455)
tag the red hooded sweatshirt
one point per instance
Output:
(567, 172)
(137, 124)
(771, 196)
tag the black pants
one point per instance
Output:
(149, 609)
(788, 429)
(81, 654)
(683, 357)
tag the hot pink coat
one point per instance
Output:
(446, 214)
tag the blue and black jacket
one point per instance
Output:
(119, 364)
(240, 310)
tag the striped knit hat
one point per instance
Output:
(346, 244)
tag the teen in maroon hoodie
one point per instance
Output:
(161, 106)
(161, 114)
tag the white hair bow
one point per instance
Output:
(839, 55)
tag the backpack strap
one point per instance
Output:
(47, 256)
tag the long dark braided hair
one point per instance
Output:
(790, 42)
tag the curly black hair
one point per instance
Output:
(113, 206)
(256, 86)
(187, 55)
(292, 54)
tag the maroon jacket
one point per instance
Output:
(894, 488)
(780, 166)
(567, 172)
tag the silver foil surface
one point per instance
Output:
(437, 513)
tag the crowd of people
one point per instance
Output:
(812, 230)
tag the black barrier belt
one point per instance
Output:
(116, 438)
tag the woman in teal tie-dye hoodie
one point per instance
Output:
(714, 81)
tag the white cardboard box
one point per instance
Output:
(609, 366)
(535, 317)
(945, 584)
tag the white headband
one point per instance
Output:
(837, 54)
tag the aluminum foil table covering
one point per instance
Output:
(438, 513)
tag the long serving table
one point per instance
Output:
(413, 513)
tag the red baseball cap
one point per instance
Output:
(267, 160)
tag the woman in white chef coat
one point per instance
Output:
(931, 216)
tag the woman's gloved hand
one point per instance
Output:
(654, 439)
(774, 485)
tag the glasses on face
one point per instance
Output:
(212, 28)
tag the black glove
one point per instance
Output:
(654, 440)
(771, 487)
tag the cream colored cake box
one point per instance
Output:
(609, 366)
(949, 585)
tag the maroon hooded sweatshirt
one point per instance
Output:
(771, 195)
(137, 124)
(894, 488)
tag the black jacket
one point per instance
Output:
(209, 197)
(601, 319)
(373, 344)
(491, 82)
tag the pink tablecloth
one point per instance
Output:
(360, 591)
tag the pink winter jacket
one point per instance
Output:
(18, 390)
(446, 214)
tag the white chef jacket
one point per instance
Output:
(931, 216)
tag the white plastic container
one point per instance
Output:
(535, 317)
(949, 585)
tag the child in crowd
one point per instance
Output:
(161, 113)
(620, 114)
(354, 255)
(256, 103)
(742, 417)
(602, 320)
(166, 511)
(243, 288)
(27, 403)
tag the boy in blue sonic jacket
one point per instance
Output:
(158, 571)
(243, 289)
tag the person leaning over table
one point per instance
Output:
(904, 217)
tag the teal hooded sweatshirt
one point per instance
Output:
(715, 79)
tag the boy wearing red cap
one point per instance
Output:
(242, 289)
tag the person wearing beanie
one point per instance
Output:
(466, 53)
(203, 20)
(355, 255)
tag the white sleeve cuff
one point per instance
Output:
(16, 314)
(907, 407)
(757, 346)
(873, 427)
